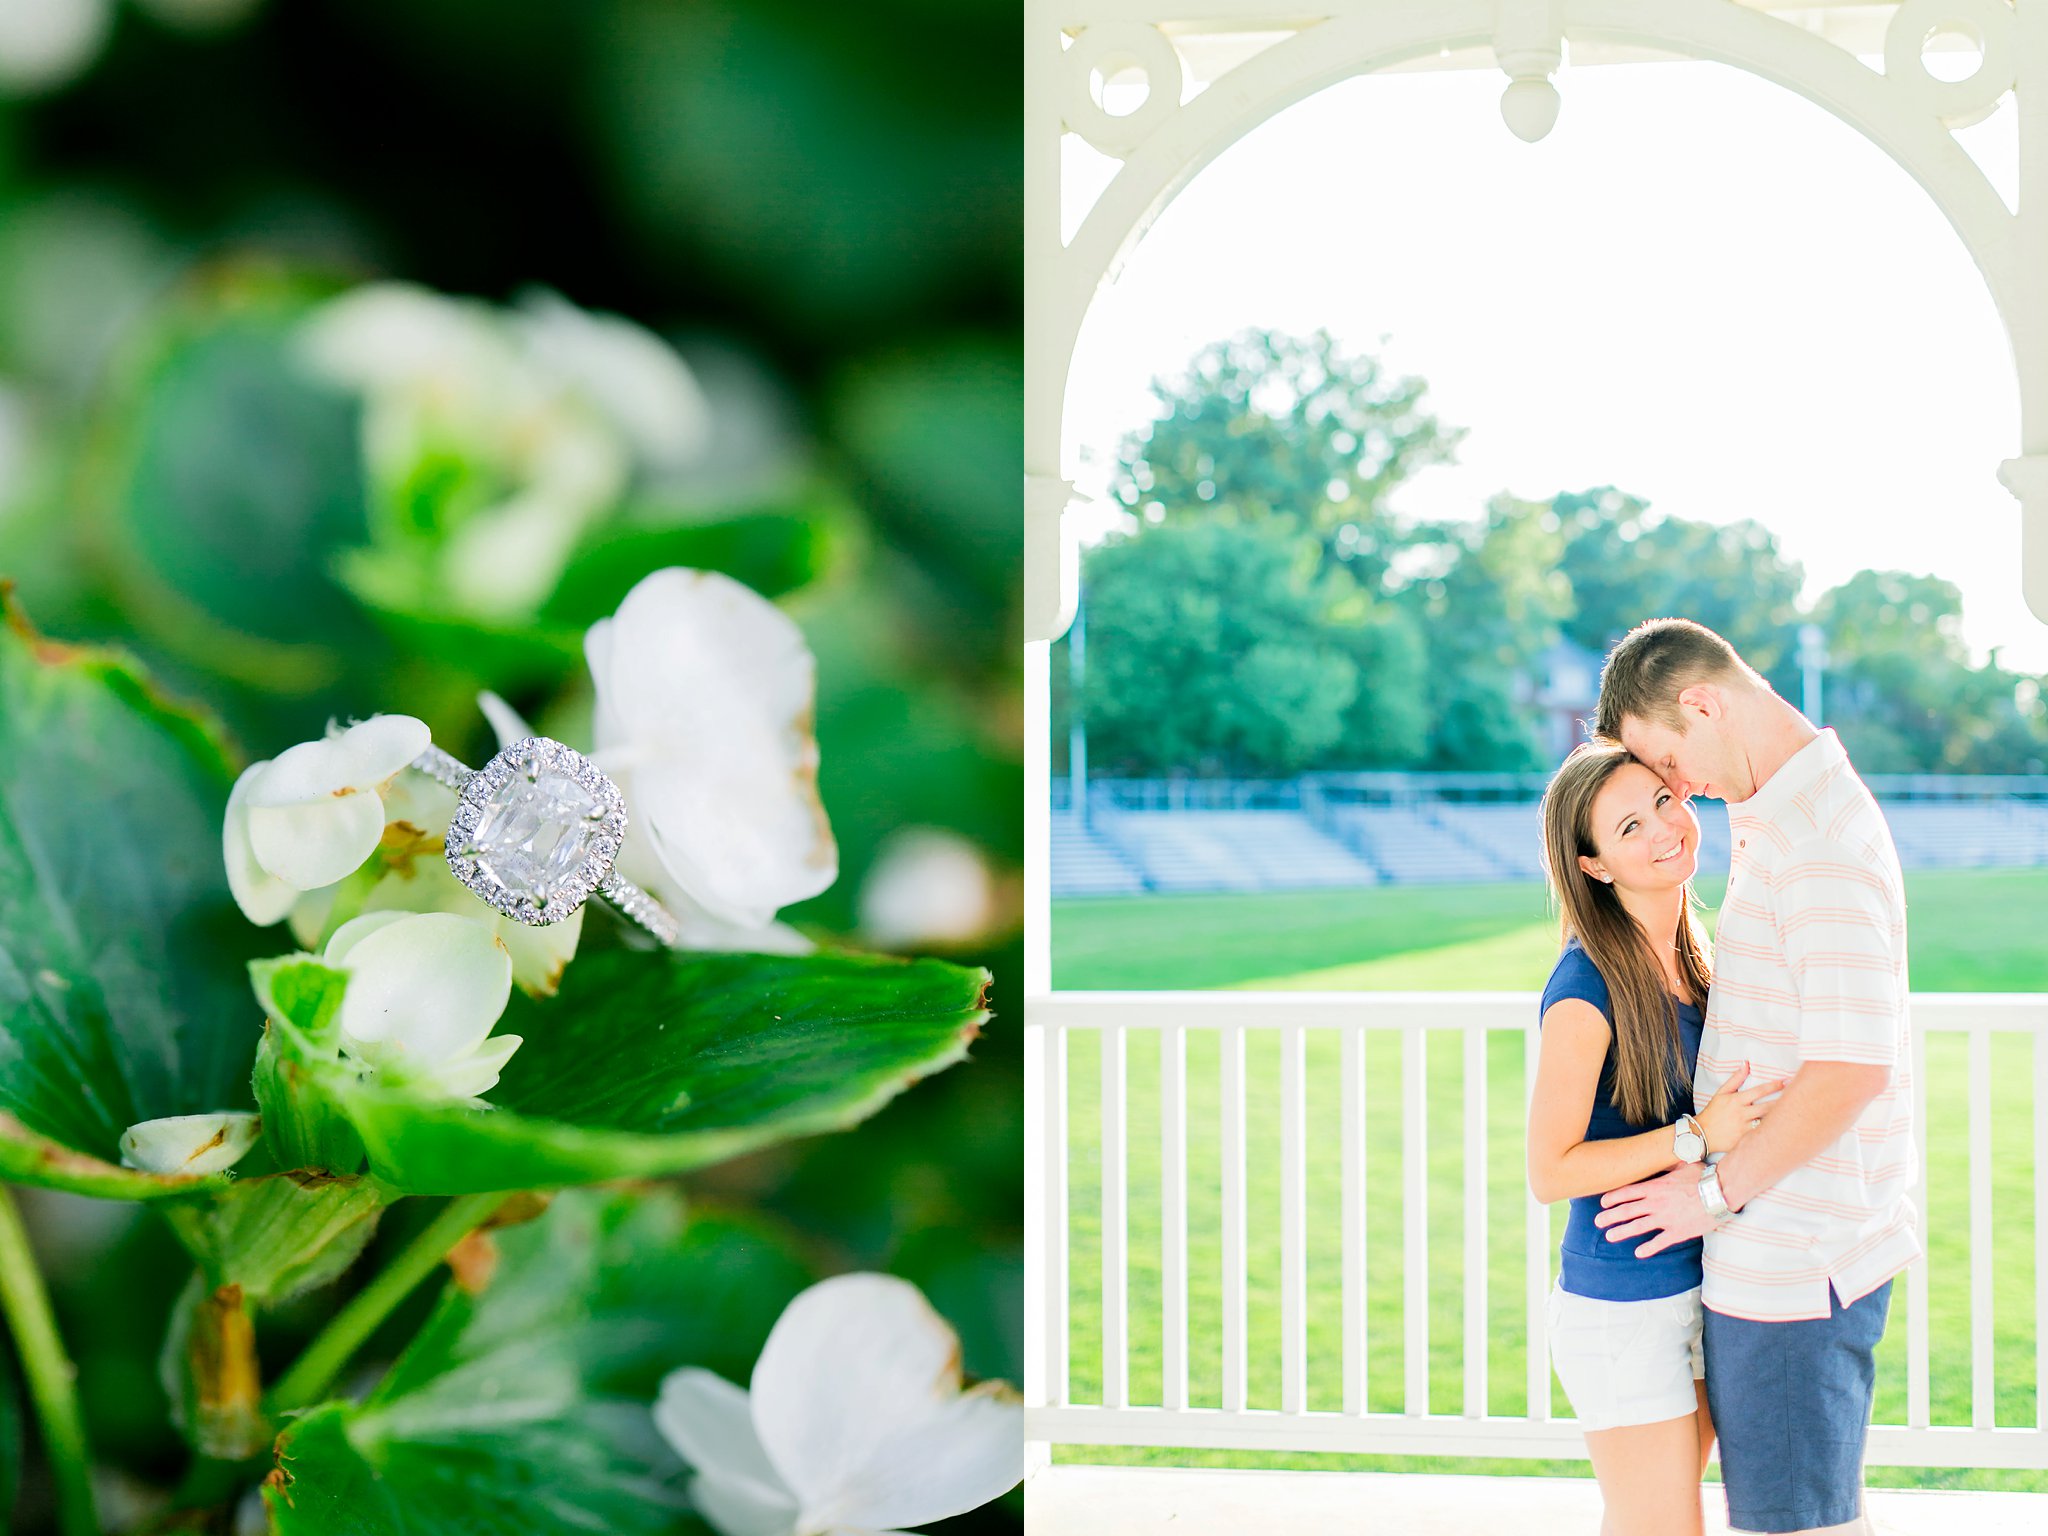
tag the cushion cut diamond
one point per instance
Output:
(536, 831)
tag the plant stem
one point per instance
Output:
(314, 1371)
(52, 1379)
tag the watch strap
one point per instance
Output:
(1710, 1193)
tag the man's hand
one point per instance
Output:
(1668, 1205)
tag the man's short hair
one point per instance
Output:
(1655, 662)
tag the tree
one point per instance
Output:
(1208, 651)
(1626, 563)
(1267, 425)
(1901, 689)
(1488, 596)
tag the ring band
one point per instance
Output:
(535, 833)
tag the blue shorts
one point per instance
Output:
(1791, 1406)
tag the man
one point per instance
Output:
(1806, 1221)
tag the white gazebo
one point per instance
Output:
(1213, 70)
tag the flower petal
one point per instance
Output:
(190, 1143)
(387, 335)
(927, 886)
(424, 988)
(311, 845)
(262, 897)
(853, 1362)
(477, 1073)
(505, 559)
(505, 720)
(714, 686)
(964, 1453)
(540, 953)
(630, 373)
(706, 1419)
(700, 930)
(353, 932)
(359, 758)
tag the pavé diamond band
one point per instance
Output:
(535, 832)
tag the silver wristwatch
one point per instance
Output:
(1688, 1140)
(1710, 1193)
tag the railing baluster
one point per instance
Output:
(1918, 1413)
(1415, 1214)
(1116, 1384)
(1173, 1202)
(1536, 1260)
(1476, 1231)
(1232, 1017)
(1983, 1398)
(1355, 1332)
(1232, 1075)
(1058, 1236)
(1293, 1221)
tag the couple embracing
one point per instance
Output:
(1733, 1129)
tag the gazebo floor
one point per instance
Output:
(1065, 1500)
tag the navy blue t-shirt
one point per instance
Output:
(1592, 1266)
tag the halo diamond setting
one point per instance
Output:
(536, 830)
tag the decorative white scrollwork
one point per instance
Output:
(1109, 48)
(1958, 103)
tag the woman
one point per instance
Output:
(1621, 1020)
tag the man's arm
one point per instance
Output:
(1842, 930)
(1823, 1102)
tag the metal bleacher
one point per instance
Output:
(1408, 844)
(1218, 850)
(1265, 836)
(1085, 864)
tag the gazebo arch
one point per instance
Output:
(1905, 112)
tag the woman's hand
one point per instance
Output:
(1727, 1117)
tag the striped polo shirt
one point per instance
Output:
(1810, 965)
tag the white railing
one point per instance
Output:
(1056, 1018)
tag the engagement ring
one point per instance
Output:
(535, 832)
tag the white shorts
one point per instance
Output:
(1627, 1362)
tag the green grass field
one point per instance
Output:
(1968, 932)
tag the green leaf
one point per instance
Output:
(121, 952)
(589, 1473)
(279, 1234)
(935, 435)
(650, 1063)
(297, 1065)
(397, 588)
(229, 478)
(772, 552)
(523, 1408)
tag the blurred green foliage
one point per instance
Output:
(820, 209)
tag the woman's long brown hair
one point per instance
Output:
(1648, 1051)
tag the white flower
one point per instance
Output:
(547, 410)
(189, 1143)
(627, 370)
(705, 692)
(44, 43)
(312, 815)
(855, 1424)
(417, 879)
(424, 990)
(928, 886)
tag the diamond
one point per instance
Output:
(536, 830)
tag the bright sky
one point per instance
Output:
(1700, 288)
